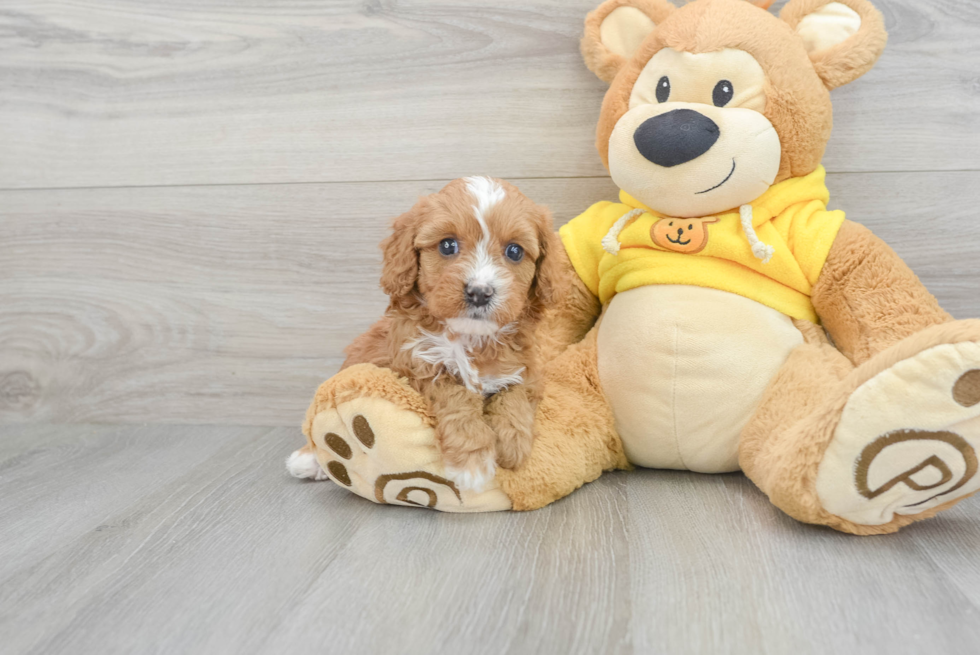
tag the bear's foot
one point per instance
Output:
(907, 440)
(372, 436)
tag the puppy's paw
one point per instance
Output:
(513, 447)
(512, 418)
(474, 472)
(302, 464)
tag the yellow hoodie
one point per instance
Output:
(795, 232)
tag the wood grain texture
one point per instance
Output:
(231, 304)
(191, 197)
(774, 585)
(192, 540)
(134, 92)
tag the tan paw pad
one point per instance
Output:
(389, 456)
(907, 439)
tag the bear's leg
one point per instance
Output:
(372, 434)
(575, 437)
(811, 377)
(868, 298)
(870, 449)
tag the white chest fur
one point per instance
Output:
(684, 368)
(454, 353)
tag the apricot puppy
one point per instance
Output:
(468, 273)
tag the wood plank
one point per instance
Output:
(78, 477)
(953, 548)
(131, 92)
(217, 551)
(229, 556)
(726, 571)
(169, 547)
(231, 304)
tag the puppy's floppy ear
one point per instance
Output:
(401, 259)
(616, 29)
(844, 38)
(549, 270)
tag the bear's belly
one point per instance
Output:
(684, 368)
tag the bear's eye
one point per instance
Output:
(448, 247)
(723, 93)
(663, 89)
(514, 252)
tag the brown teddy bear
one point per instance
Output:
(693, 334)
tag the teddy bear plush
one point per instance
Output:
(718, 316)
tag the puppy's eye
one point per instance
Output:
(448, 247)
(514, 252)
(723, 93)
(663, 89)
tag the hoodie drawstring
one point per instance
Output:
(610, 242)
(761, 250)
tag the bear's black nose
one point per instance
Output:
(676, 137)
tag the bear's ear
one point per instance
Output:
(616, 29)
(844, 38)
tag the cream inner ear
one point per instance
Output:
(832, 24)
(624, 29)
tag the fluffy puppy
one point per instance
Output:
(468, 271)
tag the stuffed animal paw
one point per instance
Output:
(371, 433)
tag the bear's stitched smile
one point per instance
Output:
(678, 240)
(732, 172)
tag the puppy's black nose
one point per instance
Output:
(677, 137)
(478, 295)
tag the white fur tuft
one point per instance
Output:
(451, 354)
(475, 479)
(487, 194)
(474, 327)
(483, 271)
(303, 464)
(451, 350)
(492, 384)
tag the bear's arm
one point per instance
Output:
(570, 316)
(868, 298)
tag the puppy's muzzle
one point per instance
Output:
(676, 137)
(478, 295)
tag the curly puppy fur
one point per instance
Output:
(477, 365)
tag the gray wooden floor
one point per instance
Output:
(191, 194)
(123, 539)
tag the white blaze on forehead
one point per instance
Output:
(487, 193)
(482, 270)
